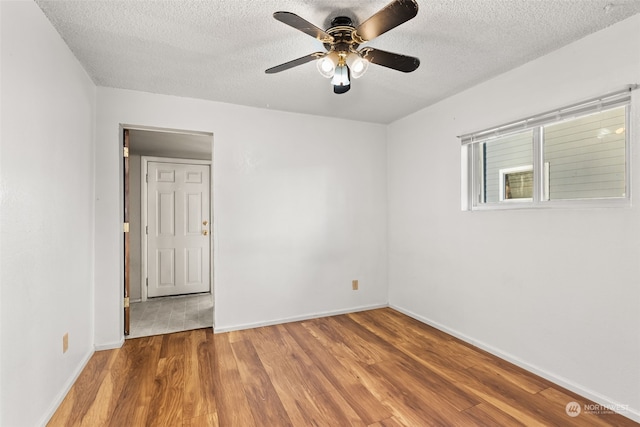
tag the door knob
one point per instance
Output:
(205, 232)
(205, 222)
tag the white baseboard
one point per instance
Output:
(222, 329)
(63, 393)
(630, 413)
(110, 345)
(67, 386)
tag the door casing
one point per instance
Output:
(120, 144)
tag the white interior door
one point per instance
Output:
(178, 241)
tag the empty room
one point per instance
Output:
(332, 212)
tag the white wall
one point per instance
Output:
(572, 312)
(46, 211)
(299, 209)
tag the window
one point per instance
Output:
(587, 156)
(575, 156)
(516, 183)
(503, 160)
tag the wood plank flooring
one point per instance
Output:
(375, 368)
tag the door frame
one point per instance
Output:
(120, 148)
(144, 219)
(126, 234)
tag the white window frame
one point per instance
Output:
(473, 186)
(507, 171)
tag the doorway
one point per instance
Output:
(170, 309)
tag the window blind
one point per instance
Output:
(611, 100)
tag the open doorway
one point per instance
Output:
(176, 308)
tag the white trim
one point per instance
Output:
(166, 130)
(617, 202)
(545, 182)
(110, 345)
(65, 390)
(627, 146)
(474, 185)
(556, 379)
(143, 229)
(297, 318)
(120, 139)
(174, 160)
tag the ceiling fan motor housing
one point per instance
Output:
(341, 21)
(341, 30)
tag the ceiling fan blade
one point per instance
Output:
(295, 62)
(303, 25)
(395, 13)
(395, 61)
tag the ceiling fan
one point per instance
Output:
(342, 60)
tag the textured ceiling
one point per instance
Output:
(218, 50)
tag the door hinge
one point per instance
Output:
(147, 281)
(125, 227)
(146, 229)
(126, 302)
(146, 178)
(125, 152)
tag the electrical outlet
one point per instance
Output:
(65, 343)
(354, 285)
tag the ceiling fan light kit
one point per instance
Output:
(342, 60)
(326, 67)
(357, 64)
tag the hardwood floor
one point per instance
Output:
(375, 368)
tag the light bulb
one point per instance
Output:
(326, 67)
(357, 64)
(327, 64)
